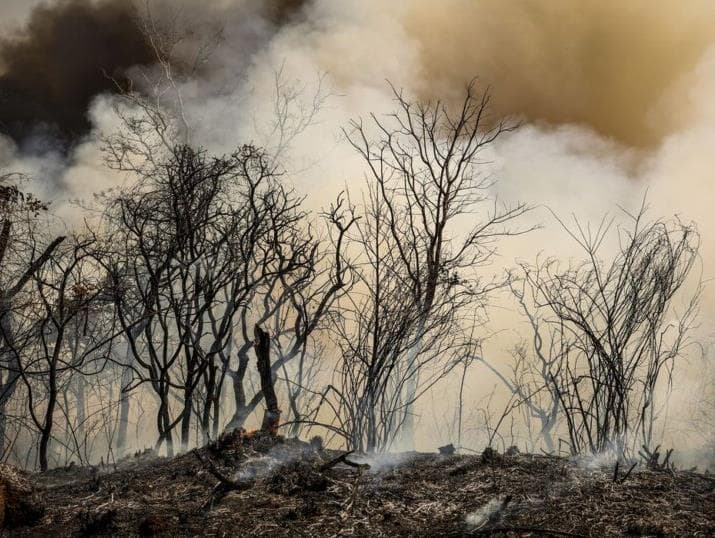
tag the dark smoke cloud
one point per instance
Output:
(67, 54)
(72, 50)
(281, 12)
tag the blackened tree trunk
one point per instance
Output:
(9, 367)
(187, 412)
(272, 415)
(239, 392)
(46, 430)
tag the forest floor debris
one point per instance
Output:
(19, 502)
(292, 488)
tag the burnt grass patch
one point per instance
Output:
(285, 487)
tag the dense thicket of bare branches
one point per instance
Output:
(143, 324)
(24, 250)
(200, 240)
(607, 331)
(421, 291)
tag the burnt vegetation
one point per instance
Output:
(204, 310)
(262, 485)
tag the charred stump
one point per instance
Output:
(272, 415)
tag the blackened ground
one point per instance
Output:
(285, 492)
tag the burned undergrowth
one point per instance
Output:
(286, 487)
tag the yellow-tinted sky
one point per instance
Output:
(615, 65)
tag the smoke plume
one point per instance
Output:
(616, 68)
(73, 50)
(68, 53)
(610, 65)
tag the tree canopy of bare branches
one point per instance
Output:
(607, 330)
(421, 270)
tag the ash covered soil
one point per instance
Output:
(269, 486)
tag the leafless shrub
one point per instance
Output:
(606, 332)
(420, 293)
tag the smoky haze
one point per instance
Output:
(612, 66)
(616, 97)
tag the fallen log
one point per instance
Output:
(342, 459)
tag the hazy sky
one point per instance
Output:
(616, 96)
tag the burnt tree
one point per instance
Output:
(272, 415)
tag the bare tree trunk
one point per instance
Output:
(8, 382)
(216, 402)
(239, 392)
(2, 431)
(407, 434)
(548, 440)
(124, 408)
(371, 420)
(216, 415)
(272, 415)
(164, 422)
(186, 414)
(209, 391)
(460, 409)
(79, 394)
(46, 431)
